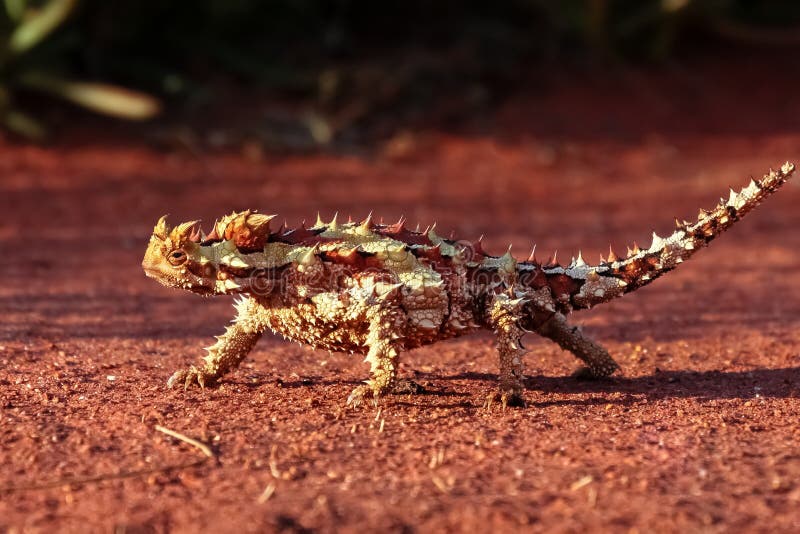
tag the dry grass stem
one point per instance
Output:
(202, 447)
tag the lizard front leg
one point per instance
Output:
(599, 363)
(383, 343)
(504, 317)
(229, 350)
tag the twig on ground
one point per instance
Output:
(267, 493)
(205, 449)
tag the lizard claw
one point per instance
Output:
(515, 399)
(358, 396)
(190, 377)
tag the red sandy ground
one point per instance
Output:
(700, 432)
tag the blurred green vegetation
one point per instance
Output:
(336, 52)
(31, 59)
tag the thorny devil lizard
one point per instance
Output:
(379, 289)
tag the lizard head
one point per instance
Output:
(175, 258)
(228, 260)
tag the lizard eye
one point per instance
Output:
(177, 257)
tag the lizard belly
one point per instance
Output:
(326, 323)
(304, 324)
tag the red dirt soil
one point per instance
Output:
(699, 432)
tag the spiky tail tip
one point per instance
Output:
(615, 277)
(642, 266)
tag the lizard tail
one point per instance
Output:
(615, 277)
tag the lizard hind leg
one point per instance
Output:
(599, 363)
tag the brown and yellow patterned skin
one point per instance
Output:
(378, 289)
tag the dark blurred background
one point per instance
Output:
(328, 72)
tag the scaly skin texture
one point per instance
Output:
(379, 290)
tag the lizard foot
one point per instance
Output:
(511, 398)
(359, 396)
(406, 386)
(190, 377)
(587, 373)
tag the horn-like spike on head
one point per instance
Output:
(612, 257)
(532, 256)
(636, 249)
(579, 262)
(182, 234)
(161, 230)
(197, 235)
(334, 225)
(319, 222)
(214, 235)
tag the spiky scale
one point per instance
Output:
(309, 257)
(365, 228)
(552, 261)
(658, 243)
(532, 255)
